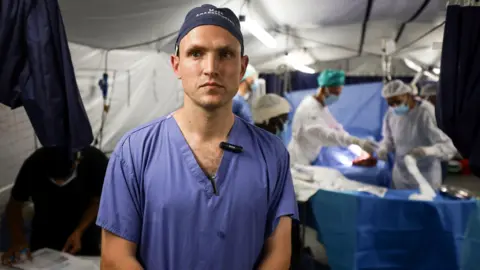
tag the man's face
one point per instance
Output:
(334, 90)
(210, 66)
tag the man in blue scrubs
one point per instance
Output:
(175, 197)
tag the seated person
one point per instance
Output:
(270, 112)
(65, 190)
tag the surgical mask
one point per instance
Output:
(254, 86)
(401, 109)
(280, 130)
(331, 99)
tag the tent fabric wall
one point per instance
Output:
(147, 76)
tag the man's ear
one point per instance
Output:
(244, 61)
(174, 61)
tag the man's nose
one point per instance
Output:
(211, 65)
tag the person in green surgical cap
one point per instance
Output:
(314, 127)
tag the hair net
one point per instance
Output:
(268, 107)
(395, 88)
(429, 90)
(330, 77)
(251, 71)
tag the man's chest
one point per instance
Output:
(208, 157)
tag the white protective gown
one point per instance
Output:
(313, 127)
(418, 128)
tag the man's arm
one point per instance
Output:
(89, 215)
(283, 208)
(20, 194)
(119, 214)
(118, 253)
(97, 164)
(14, 212)
(387, 144)
(278, 247)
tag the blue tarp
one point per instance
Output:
(360, 110)
(36, 72)
(361, 231)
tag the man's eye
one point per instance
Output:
(195, 54)
(226, 54)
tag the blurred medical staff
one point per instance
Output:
(410, 127)
(270, 112)
(242, 102)
(313, 125)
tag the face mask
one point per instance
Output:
(254, 86)
(331, 99)
(281, 129)
(401, 109)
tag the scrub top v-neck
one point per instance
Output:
(157, 196)
(212, 185)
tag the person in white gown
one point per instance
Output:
(314, 127)
(410, 128)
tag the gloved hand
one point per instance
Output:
(382, 154)
(367, 145)
(418, 152)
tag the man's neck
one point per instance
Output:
(320, 98)
(205, 125)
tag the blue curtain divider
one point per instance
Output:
(458, 99)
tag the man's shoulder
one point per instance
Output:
(268, 142)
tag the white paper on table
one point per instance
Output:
(44, 259)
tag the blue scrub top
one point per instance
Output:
(241, 108)
(157, 196)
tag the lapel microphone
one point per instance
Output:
(231, 147)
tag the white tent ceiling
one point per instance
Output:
(330, 30)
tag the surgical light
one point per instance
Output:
(436, 71)
(412, 65)
(430, 75)
(255, 29)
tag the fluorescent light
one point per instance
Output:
(436, 71)
(412, 65)
(260, 33)
(304, 69)
(296, 64)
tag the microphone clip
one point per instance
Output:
(231, 147)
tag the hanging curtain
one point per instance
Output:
(458, 99)
(36, 72)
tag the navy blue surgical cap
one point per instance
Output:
(210, 15)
